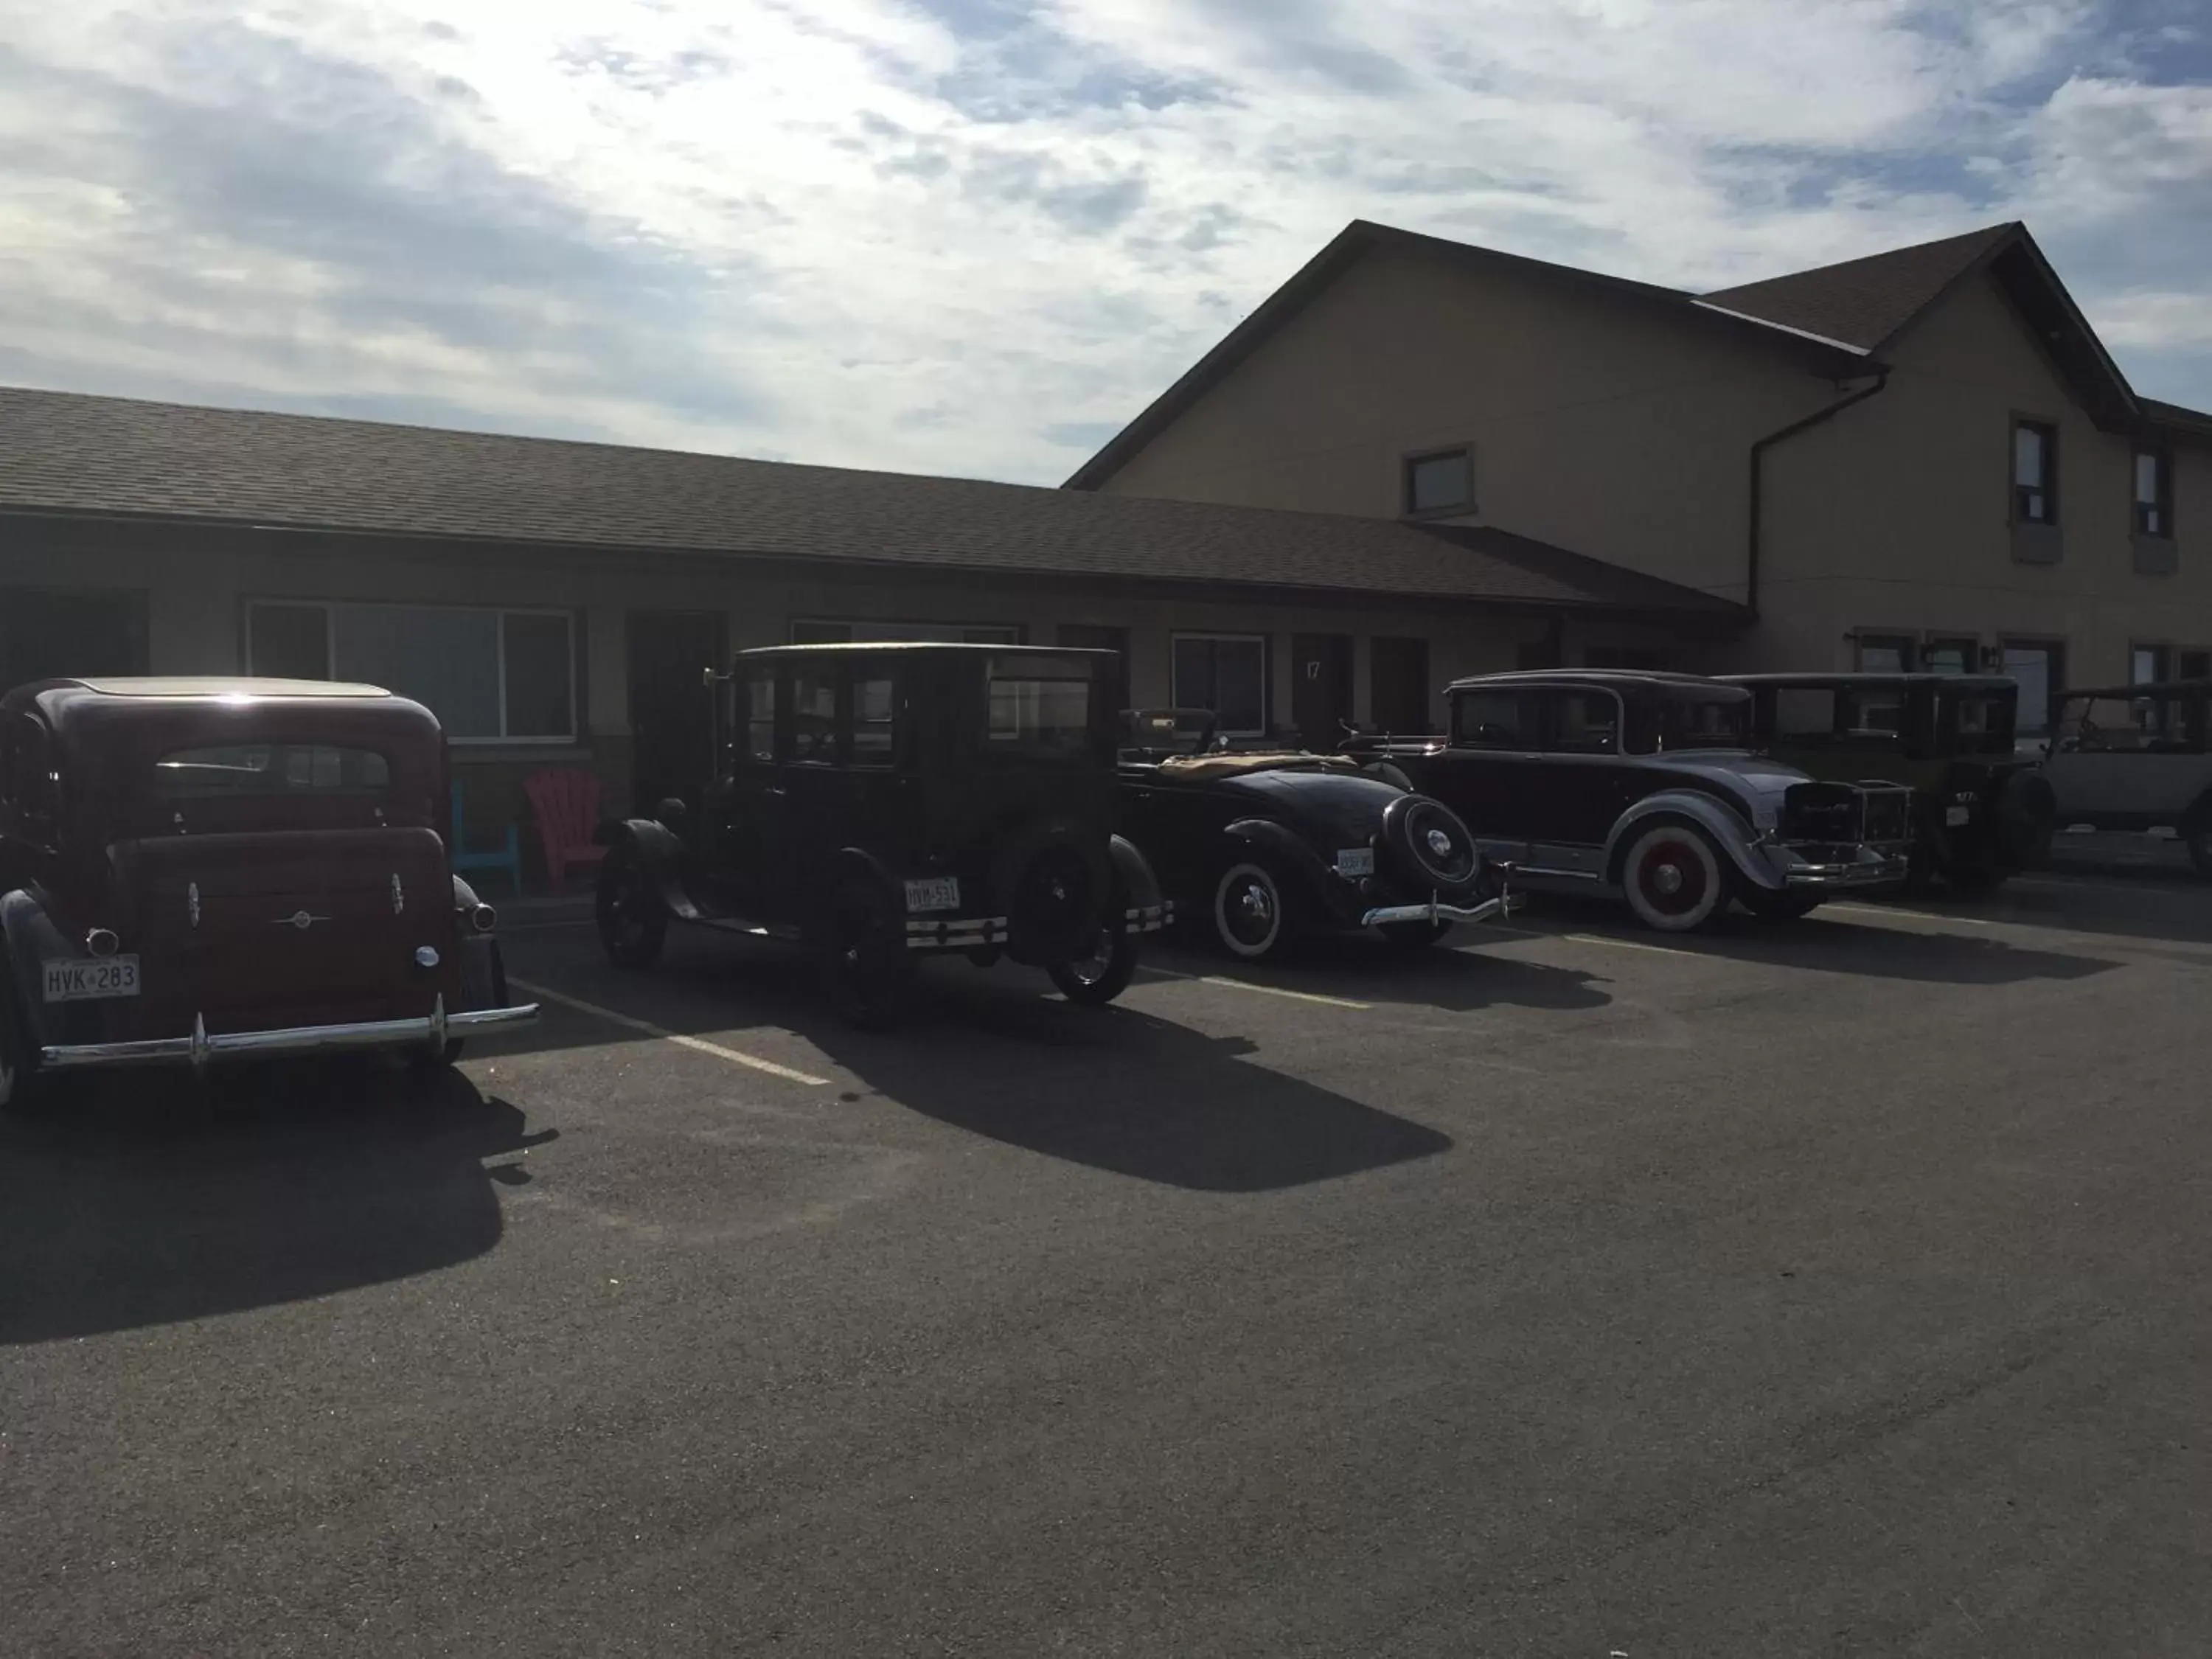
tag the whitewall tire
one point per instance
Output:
(1673, 878)
(1249, 913)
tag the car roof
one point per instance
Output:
(112, 699)
(226, 686)
(1977, 682)
(847, 647)
(1652, 676)
(2148, 688)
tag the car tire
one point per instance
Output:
(1094, 980)
(23, 1088)
(1411, 936)
(1250, 914)
(1675, 878)
(633, 921)
(866, 970)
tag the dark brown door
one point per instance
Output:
(1400, 673)
(672, 708)
(1091, 636)
(1321, 688)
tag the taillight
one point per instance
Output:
(101, 942)
(484, 918)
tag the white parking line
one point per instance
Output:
(1892, 910)
(1264, 990)
(1628, 944)
(697, 1045)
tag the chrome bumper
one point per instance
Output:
(1437, 910)
(199, 1049)
(989, 933)
(1870, 869)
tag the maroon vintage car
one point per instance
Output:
(192, 870)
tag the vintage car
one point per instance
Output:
(879, 803)
(200, 870)
(2130, 768)
(1595, 778)
(1266, 846)
(1980, 813)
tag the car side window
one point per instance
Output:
(814, 713)
(1805, 715)
(875, 716)
(760, 715)
(1584, 722)
(1494, 719)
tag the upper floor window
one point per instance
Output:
(1885, 654)
(1441, 483)
(2034, 473)
(2153, 504)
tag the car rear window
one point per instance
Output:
(1041, 706)
(1984, 722)
(231, 771)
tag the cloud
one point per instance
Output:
(976, 235)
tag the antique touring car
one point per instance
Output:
(199, 870)
(880, 803)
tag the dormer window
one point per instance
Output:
(1440, 483)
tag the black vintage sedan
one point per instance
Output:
(1259, 848)
(1646, 782)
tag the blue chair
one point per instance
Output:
(506, 857)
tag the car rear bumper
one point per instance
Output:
(199, 1049)
(1435, 909)
(991, 933)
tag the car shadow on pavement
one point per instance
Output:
(148, 1199)
(1830, 943)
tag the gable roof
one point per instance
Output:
(1864, 302)
(1839, 315)
(1353, 243)
(64, 453)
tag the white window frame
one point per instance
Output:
(1267, 690)
(330, 607)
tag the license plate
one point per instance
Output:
(1955, 816)
(933, 893)
(87, 980)
(1356, 861)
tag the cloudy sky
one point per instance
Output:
(975, 236)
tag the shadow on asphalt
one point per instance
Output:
(1363, 967)
(1828, 942)
(999, 1053)
(148, 1199)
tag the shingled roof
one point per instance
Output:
(1864, 302)
(66, 453)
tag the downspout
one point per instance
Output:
(1758, 473)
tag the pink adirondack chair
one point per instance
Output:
(567, 803)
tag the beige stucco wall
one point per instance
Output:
(1596, 424)
(1895, 517)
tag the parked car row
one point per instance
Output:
(195, 870)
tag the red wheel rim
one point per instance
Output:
(1671, 879)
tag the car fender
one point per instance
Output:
(1139, 886)
(660, 853)
(30, 937)
(1292, 857)
(1727, 827)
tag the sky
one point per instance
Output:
(978, 236)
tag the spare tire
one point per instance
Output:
(1052, 883)
(1431, 846)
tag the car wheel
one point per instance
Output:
(21, 1088)
(633, 921)
(1249, 916)
(1673, 878)
(1102, 973)
(866, 966)
(1413, 935)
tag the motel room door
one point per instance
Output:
(672, 708)
(1320, 689)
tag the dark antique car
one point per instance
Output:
(2130, 770)
(879, 803)
(1980, 813)
(1646, 782)
(1267, 846)
(197, 870)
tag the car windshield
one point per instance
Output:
(229, 771)
(1041, 707)
(2115, 725)
(1688, 720)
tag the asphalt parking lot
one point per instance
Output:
(1827, 1288)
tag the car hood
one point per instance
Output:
(1344, 806)
(1757, 775)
